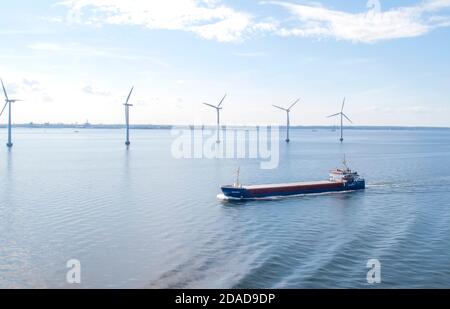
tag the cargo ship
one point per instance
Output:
(340, 179)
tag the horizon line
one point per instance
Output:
(168, 126)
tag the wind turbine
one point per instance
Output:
(8, 102)
(127, 116)
(218, 108)
(287, 110)
(341, 113)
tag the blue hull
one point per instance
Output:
(268, 191)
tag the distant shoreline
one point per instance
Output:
(168, 127)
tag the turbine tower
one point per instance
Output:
(218, 108)
(127, 116)
(287, 110)
(8, 102)
(341, 113)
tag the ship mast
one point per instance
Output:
(345, 163)
(237, 184)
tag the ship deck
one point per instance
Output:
(291, 184)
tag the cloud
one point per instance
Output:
(368, 27)
(417, 109)
(207, 18)
(250, 54)
(95, 91)
(23, 85)
(27, 89)
(32, 85)
(46, 47)
(76, 49)
(212, 20)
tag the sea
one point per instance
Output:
(141, 217)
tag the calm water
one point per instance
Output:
(140, 218)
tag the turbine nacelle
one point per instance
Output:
(210, 105)
(13, 100)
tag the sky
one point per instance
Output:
(73, 61)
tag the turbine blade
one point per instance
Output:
(347, 118)
(132, 88)
(3, 109)
(4, 90)
(283, 109)
(221, 101)
(211, 105)
(343, 103)
(333, 115)
(294, 103)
